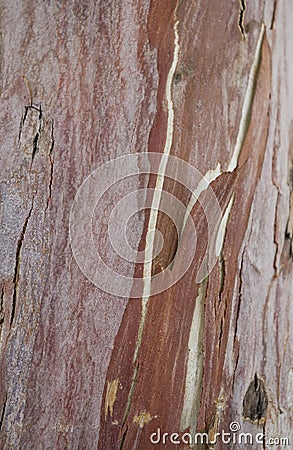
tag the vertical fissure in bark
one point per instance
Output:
(242, 17)
(274, 14)
(2, 415)
(130, 395)
(276, 243)
(52, 137)
(2, 314)
(289, 227)
(1, 306)
(239, 296)
(221, 332)
(222, 276)
(17, 266)
(235, 368)
(123, 438)
(24, 117)
(22, 122)
(35, 146)
(264, 446)
(51, 163)
(36, 139)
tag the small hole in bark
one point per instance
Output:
(177, 77)
(255, 401)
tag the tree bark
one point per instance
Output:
(86, 82)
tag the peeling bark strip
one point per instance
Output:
(170, 305)
(248, 101)
(166, 98)
(194, 372)
(147, 268)
(83, 83)
(254, 145)
(110, 397)
(135, 391)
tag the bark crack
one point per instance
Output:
(289, 227)
(242, 17)
(123, 438)
(264, 446)
(1, 306)
(221, 331)
(274, 14)
(36, 139)
(222, 276)
(235, 369)
(17, 265)
(51, 163)
(2, 314)
(275, 266)
(35, 146)
(2, 415)
(239, 296)
(24, 117)
(30, 130)
(129, 401)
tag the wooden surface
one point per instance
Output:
(84, 82)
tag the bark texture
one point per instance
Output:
(83, 82)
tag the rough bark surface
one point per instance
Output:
(83, 82)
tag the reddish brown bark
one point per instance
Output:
(83, 82)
